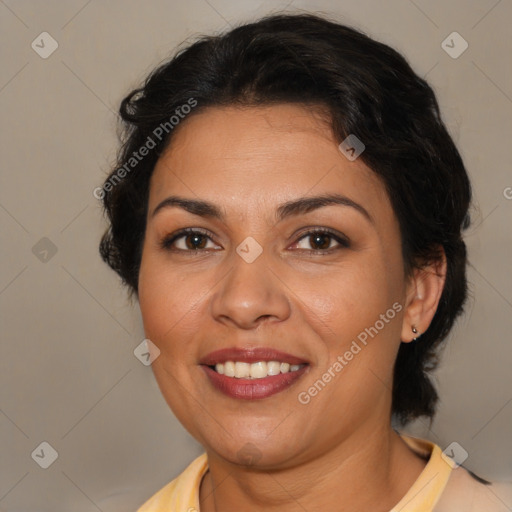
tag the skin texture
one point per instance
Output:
(337, 452)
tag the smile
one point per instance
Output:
(258, 370)
(251, 374)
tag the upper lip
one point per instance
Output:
(249, 355)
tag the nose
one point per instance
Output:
(250, 294)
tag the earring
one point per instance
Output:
(415, 331)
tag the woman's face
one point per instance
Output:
(261, 277)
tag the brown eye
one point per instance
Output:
(195, 241)
(187, 240)
(320, 240)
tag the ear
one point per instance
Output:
(424, 290)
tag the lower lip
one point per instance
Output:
(253, 389)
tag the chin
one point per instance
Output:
(264, 451)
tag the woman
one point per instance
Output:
(287, 208)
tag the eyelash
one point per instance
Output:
(167, 242)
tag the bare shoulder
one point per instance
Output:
(466, 492)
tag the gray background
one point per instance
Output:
(68, 373)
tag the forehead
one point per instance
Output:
(243, 157)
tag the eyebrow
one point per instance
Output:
(290, 208)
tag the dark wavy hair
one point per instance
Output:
(368, 89)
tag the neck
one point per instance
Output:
(371, 470)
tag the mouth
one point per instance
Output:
(258, 370)
(251, 374)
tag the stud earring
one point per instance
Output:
(415, 331)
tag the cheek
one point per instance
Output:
(172, 306)
(167, 307)
(355, 320)
(350, 298)
(162, 299)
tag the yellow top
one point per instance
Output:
(441, 487)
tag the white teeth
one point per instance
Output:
(242, 370)
(273, 368)
(229, 369)
(284, 367)
(258, 370)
